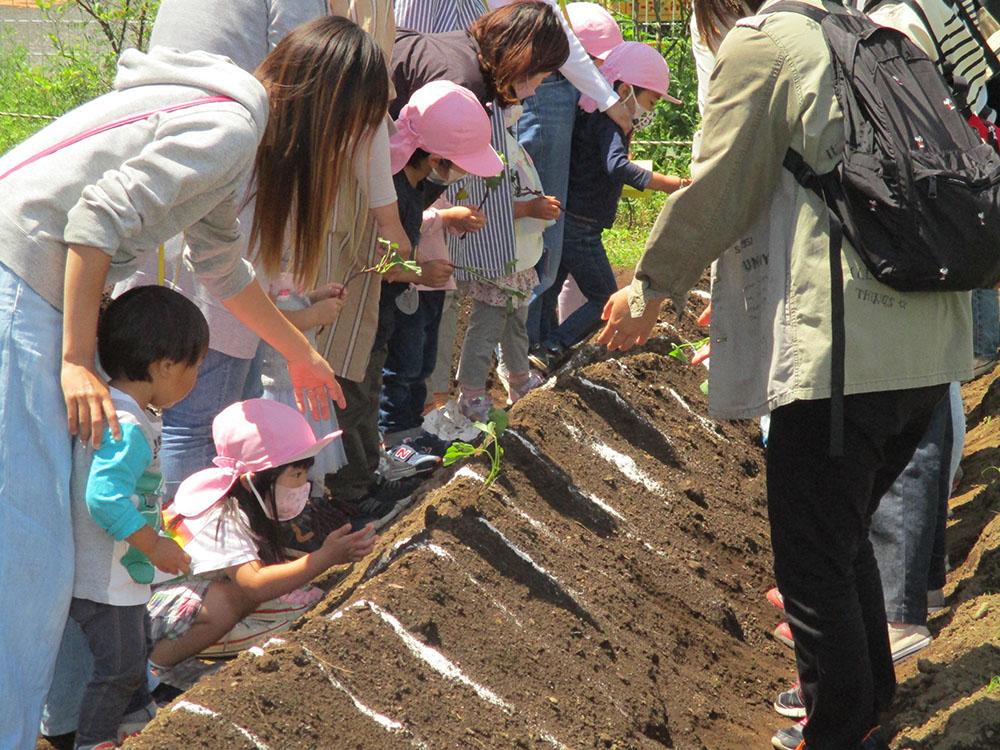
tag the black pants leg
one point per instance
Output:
(820, 509)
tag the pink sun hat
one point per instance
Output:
(637, 64)
(596, 29)
(446, 119)
(250, 436)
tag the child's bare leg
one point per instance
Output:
(223, 606)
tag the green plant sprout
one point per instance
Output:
(492, 430)
(994, 683)
(520, 192)
(678, 350)
(390, 259)
(492, 183)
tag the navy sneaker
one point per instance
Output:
(383, 501)
(427, 444)
(547, 359)
(790, 738)
(790, 703)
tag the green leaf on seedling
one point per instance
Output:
(678, 353)
(704, 387)
(509, 268)
(462, 194)
(457, 451)
(499, 418)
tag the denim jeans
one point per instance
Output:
(410, 361)
(985, 324)
(117, 638)
(187, 425)
(36, 556)
(585, 258)
(907, 530)
(545, 131)
(820, 510)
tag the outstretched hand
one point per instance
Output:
(622, 331)
(345, 546)
(314, 384)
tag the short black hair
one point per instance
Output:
(145, 325)
(419, 155)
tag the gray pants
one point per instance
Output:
(117, 639)
(489, 326)
(440, 379)
(907, 530)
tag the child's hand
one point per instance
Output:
(545, 207)
(333, 289)
(435, 273)
(346, 547)
(325, 311)
(463, 219)
(169, 557)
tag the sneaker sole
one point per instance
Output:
(906, 653)
(378, 523)
(797, 712)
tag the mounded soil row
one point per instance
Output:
(606, 592)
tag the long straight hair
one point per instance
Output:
(518, 41)
(328, 88)
(716, 17)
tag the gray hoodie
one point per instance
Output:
(130, 188)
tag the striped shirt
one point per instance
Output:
(955, 40)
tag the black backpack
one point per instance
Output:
(917, 191)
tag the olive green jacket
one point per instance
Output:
(772, 89)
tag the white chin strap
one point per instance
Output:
(259, 498)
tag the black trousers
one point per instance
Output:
(820, 509)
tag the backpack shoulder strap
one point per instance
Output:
(114, 124)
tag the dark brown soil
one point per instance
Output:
(606, 592)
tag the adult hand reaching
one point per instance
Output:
(314, 384)
(622, 331)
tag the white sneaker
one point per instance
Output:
(136, 721)
(906, 640)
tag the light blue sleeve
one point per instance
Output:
(114, 474)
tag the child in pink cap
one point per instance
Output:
(228, 518)
(596, 29)
(599, 168)
(443, 132)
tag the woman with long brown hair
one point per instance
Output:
(84, 199)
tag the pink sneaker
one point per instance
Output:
(516, 392)
(783, 633)
(476, 408)
(774, 596)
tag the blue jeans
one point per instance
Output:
(117, 686)
(544, 130)
(585, 258)
(985, 324)
(36, 556)
(187, 425)
(907, 529)
(411, 359)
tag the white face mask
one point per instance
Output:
(512, 114)
(641, 117)
(290, 500)
(453, 177)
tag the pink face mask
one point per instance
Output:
(290, 500)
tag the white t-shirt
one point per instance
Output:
(217, 539)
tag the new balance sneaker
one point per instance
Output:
(384, 500)
(783, 633)
(789, 738)
(517, 391)
(428, 444)
(790, 703)
(547, 359)
(774, 596)
(906, 640)
(475, 408)
(405, 461)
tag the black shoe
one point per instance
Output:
(428, 444)
(548, 358)
(384, 500)
(163, 694)
(61, 741)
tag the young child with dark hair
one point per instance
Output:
(600, 167)
(150, 342)
(443, 134)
